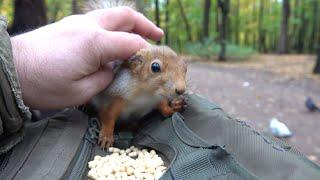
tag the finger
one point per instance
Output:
(127, 20)
(91, 85)
(118, 45)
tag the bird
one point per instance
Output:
(279, 129)
(310, 104)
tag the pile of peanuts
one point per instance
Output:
(131, 164)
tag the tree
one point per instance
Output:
(224, 8)
(157, 15)
(314, 30)
(217, 25)
(295, 25)
(237, 23)
(302, 29)
(316, 69)
(75, 8)
(167, 23)
(185, 20)
(206, 18)
(28, 14)
(261, 31)
(283, 39)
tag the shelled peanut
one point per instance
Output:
(131, 164)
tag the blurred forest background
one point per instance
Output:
(235, 28)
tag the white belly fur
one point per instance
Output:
(123, 84)
(140, 106)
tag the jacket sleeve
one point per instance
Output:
(13, 112)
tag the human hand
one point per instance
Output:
(68, 62)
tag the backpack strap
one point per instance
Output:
(187, 155)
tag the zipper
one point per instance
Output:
(4, 159)
(80, 166)
(85, 152)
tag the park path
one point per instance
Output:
(257, 95)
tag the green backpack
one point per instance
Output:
(202, 142)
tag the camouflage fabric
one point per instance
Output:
(13, 112)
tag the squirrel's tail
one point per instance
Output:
(91, 5)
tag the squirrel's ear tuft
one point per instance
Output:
(135, 62)
(135, 59)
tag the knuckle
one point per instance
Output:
(93, 37)
(126, 12)
(95, 34)
(140, 15)
(136, 41)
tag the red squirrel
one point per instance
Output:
(153, 78)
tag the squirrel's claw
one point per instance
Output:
(105, 140)
(178, 104)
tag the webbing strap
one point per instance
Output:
(190, 156)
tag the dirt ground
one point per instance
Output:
(264, 87)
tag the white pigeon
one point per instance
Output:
(279, 129)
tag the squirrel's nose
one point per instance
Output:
(180, 91)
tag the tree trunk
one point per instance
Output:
(185, 20)
(237, 23)
(217, 18)
(224, 7)
(252, 32)
(283, 39)
(206, 19)
(246, 37)
(55, 11)
(75, 9)
(28, 15)
(179, 44)
(295, 26)
(316, 69)
(157, 15)
(313, 37)
(301, 34)
(261, 31)
(167, 23)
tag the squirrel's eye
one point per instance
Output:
(155, 67)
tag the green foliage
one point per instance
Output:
(57, 9)
(243, 28)
(209, 48)
(6, 9)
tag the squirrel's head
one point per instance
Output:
(160, 70)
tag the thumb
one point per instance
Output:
(94, 83)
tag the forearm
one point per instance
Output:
(21, 58)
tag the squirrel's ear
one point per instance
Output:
(135, 62)
(135, 59)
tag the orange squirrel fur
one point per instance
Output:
(153, 78)
(138, 88)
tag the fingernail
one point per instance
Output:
(161, 31)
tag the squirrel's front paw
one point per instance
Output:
(168, 108)
(178, 104)
(105, 138)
